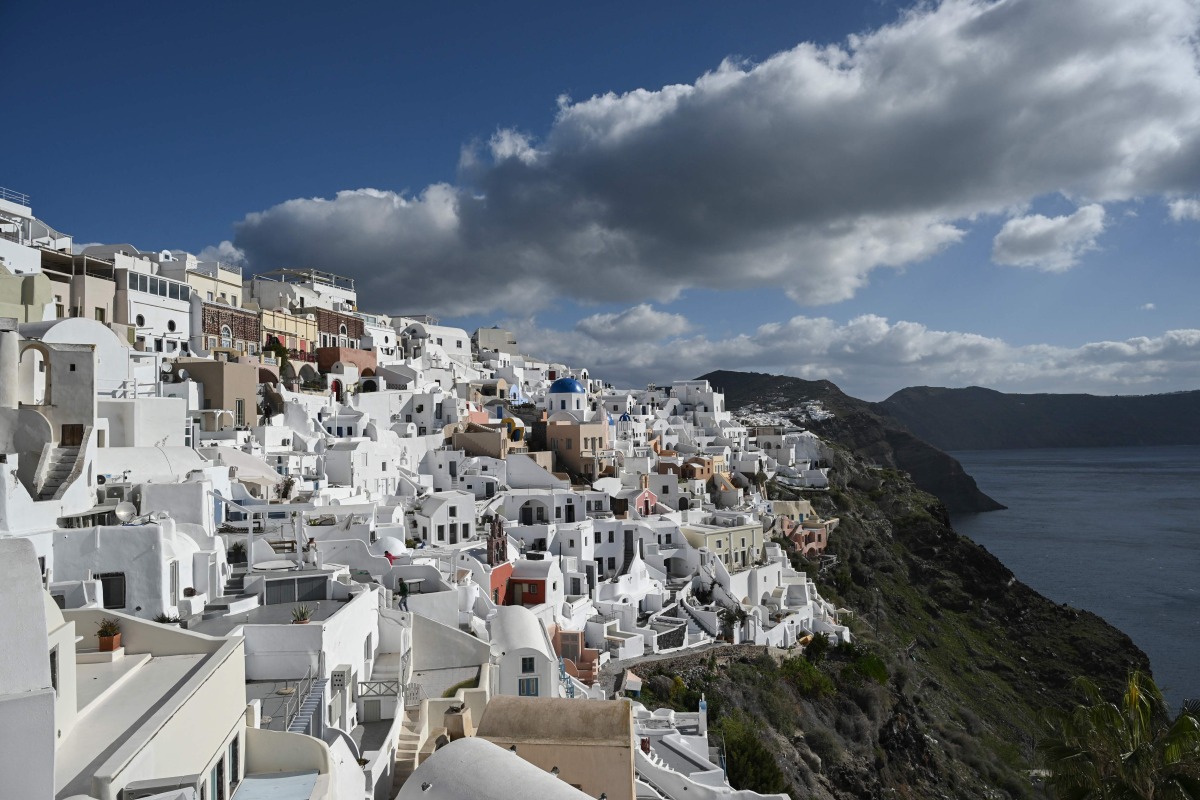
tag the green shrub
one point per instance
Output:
(748, 761)
(804, 675)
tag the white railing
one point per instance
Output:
(14, 197)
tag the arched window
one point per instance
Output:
(226, 336)
(342, 339)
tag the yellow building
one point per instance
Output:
(731, 537)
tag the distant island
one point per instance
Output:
(983, 419)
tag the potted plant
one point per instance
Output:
(109, 633)
(168, 619)
(301, 614)
(237, 553)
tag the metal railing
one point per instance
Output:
(291, 706)
(14, 197)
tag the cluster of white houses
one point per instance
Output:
(354, 556)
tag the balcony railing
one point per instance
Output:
(14, 197)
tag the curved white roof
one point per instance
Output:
(518, 628)
(476, 768)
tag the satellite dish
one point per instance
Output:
(125, 511)
(166, 366)
(101, 480)
(182, 374)
(160, 515)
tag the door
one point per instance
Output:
(518, 593)
(72, 436)
(371, 712)
(570, 512)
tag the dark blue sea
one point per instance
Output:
(1113, 530)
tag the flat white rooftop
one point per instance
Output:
(277, 786)
(121, 701)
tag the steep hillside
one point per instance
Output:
(940, 698)
(858, 426)
(982, 419)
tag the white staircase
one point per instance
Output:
(60, 463)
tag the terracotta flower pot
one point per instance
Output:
(109, 643)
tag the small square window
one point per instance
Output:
(72, 368)
(527, 664)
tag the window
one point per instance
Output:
(240, 411)
(173, 291)
(527, 687)
(113, 585)
(174, 589)
(185, 292)
(441, 533)
(209, 296)
(612, 563)
(99, 314)
(226, 336)
(234, 761)
(611, 537)
(572, 545)
(140, 321)
(453, 511)
(171, 325)
(233, 299)
(54, 669)
(527, 664)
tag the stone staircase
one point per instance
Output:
(60, 463)
(233, 598)
(407, 749)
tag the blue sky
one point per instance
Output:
(993, 193)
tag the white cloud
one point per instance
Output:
(871, 357)
(225, 252)
(641, 323)
(1147, 307)
(805, 172)
(1051, 244)
(1184, 209)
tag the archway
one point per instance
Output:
(34, 370)
(684, 505)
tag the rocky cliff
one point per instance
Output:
(954, 662)
(983, 419)
(859, 426)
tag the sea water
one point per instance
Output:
(1114, 530)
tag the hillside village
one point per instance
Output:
(348, 555)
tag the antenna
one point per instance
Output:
(125, 511)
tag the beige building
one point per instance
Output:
(24, 297)
(230, 391)
(580, 447)
(213, 281)
(589, 743)
(731, 537)
(297, 333)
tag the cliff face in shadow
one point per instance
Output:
(859, 426)
(983, 419)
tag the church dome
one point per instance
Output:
(567, 386)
